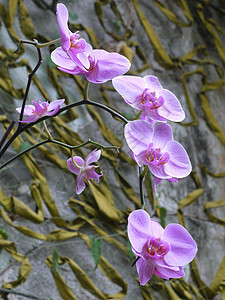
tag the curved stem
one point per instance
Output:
(86, 91)
(141, 177)
(19, 130)
(60, 144)
(30, 76)
(47, 131)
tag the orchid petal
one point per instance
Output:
(145, 270)
(162, 135)
(80, 185)
(152, 83)
(83, 59)
(28, 110)
(53, 112)
(179, 164)
(92, 157)
(74, 169)
(62, 59)
(171, 109)
(130, 88)
(62, 17)
(183, 247)
(158, 171)
(138, 135)
(30, 119)
(91, 174)
(167, 273)
(54, 104)
(138, 229)
(108, 66)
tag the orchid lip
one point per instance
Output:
(150, 100)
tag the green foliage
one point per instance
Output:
(96, 247)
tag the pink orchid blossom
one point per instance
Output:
(72, 47)
(83, 169)
(76, 57)
(40, 110)
(163, 252)
(147, 94)
(155, 148)
(104, 66)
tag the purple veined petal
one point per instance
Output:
(158, 171)
(62, 59)
(92, 157)
(88, 49)
(179, 164)
(108, 66)
(171, 109)
(152, 116)
(138, 135)
(83, 59)
(140, 158)
(156, 230)
(30, 119)
(28, 110)
(53, 112)
(130, 88)
(167, 273)
(74, 169)
(152, 83)
(138, 229)
(91, 174)
(183, 247)
(76, 71)
(162, 135)
(80, 185)
(54, 104)
(62, 17)
(145, 269)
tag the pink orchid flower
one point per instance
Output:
(156, 148)
(40, 110)
(147, 94)
(160, 251)
(83, 169)
(72, 47)
(77, 57)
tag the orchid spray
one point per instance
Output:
(159, 251)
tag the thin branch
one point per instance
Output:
(9, 291)
(30, 76)
(141, 177)
(7, 133)
(113, 113)
(60, 144)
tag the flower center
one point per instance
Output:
(155, 157)
(92, 61)
(157, 248)
(150, 101)
(74, 41)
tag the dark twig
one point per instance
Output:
(134, 262)
(9, 291)
(6, 134)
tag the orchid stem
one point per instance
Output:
(47, 131)
(141, 177)
(60, 144)
(86, 91)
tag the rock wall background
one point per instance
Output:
(181, 42)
